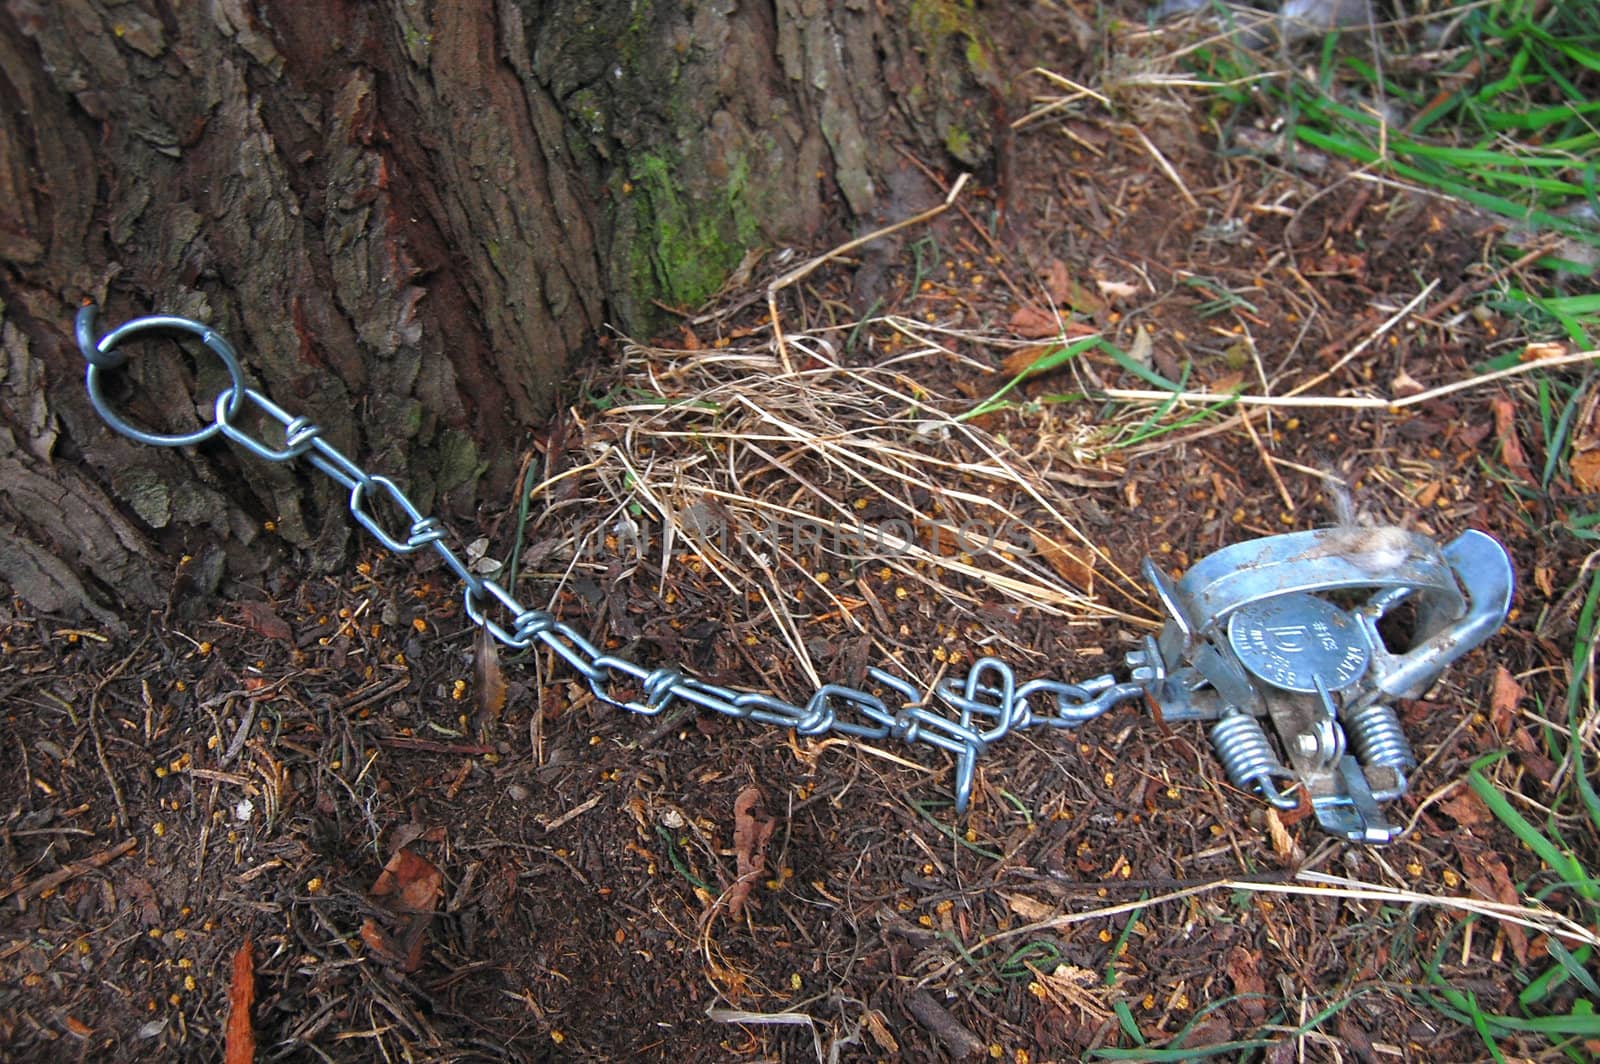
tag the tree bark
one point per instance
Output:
(407, 217)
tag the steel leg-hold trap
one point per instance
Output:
(1320, 632)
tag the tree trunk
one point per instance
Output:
(407, 217)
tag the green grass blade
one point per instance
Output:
(1133, 366)
(1122, 941)
(1125, 1018)
(1480, 1023)
(1049, 360)
(1582, 662)
(1562, 863)
(1551, 979)
(1573, 966)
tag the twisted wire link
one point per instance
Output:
(988, 702)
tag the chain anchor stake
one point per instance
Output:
(1318, 632)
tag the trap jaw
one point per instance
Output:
(1300, 628)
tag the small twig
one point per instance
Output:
(372, 692)
(99, 744)
(1266, 461)
(1166, 168)
(1349, 402)
(960, 1042)
(25, 890)
(1377, 334)
(410, 742)
(805, 269)
(572, 814)
(1471, 288)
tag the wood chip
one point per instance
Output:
(1030, 909)
(958, 1041)
(239, 1045)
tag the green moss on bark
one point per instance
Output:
(683, 247)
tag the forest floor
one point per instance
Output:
(437, 858)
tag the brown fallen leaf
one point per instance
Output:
(752, 829)
(239, 1043)
(1505, 430)
(1076, 567)
(488, 679)
(414, 885)
(1057, 281)
(1585, 468)
(261, 619)
(1486, 873)
(1082, 300)
(1024, 359)
(1244, 969)
(1504, 695)
(1465, 808)
(1031, 323)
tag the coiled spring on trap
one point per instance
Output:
(1378, 738)
(1248, 758)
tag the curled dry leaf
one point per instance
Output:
(752, 830)
(1117, 290)
(239, 1044)
(409, 887)
(1244, 970)
(1404, 384)
(1058, 281)
(1283, 843)
(1066, 291)
(1538, 351)
(1505, 430)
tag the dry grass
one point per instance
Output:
(769, 480)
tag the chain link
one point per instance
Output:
(988, 702)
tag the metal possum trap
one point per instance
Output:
(1318, 632)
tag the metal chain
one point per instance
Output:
(988, 703)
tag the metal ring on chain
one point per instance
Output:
(103, 355)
